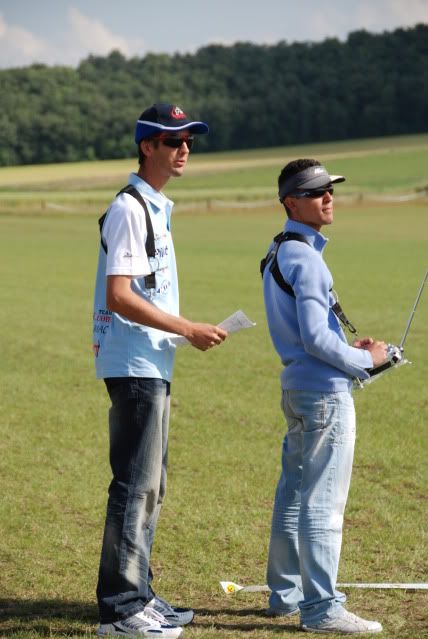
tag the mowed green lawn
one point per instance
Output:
(226, 424)
(374, 167)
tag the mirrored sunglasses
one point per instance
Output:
(313, 193)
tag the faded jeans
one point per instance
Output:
(138, 424)
(310, 500)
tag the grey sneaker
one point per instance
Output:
(173, 615)
(344, 623)
(143, 624)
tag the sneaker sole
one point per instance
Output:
(339, 632)
(116, 632)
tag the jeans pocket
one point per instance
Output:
(311, 407)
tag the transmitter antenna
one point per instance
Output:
(412, 313)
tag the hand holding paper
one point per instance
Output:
(235, 322)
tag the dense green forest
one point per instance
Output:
(251, 95)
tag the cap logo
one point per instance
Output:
(177, 113)
(319, 170)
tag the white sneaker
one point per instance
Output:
(174, 615)
(345, 623)
(154, 614)
(148, 623)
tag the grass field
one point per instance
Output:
(374, 168)
(226, 425)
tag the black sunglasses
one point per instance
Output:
(313, 193)
(176, 143)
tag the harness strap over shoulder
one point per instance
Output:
(149, 280)
(271, 259)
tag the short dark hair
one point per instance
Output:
(141, 156)
(291, 169)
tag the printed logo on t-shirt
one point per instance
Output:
(102, 320)
(160, 262)
(161, 251)
(164, 287)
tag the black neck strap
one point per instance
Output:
(149, 280)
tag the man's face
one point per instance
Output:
(170, 153)
(312, 211)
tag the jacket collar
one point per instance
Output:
(315, 239)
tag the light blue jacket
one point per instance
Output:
(305, 331)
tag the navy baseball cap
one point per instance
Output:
(314, 177)
(165, 117)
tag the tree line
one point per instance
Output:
(251, 96)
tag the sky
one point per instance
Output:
(67, 31)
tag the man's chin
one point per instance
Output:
(177, 171)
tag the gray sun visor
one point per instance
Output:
(315, 177)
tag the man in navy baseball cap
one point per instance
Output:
(165, 118)
(135, 320)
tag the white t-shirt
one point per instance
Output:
(123, 348)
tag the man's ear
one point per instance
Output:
(146, 147)
(290, 203)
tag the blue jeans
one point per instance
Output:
(310, 500)
(138, 424)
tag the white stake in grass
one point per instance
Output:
(231, 588)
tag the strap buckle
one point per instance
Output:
(338, 311)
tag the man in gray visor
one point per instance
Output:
(319, 367)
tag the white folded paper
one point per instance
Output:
(232, 324)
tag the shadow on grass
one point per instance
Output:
(46, 617)
(59, 608)
(235, 612)
(274, 625)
